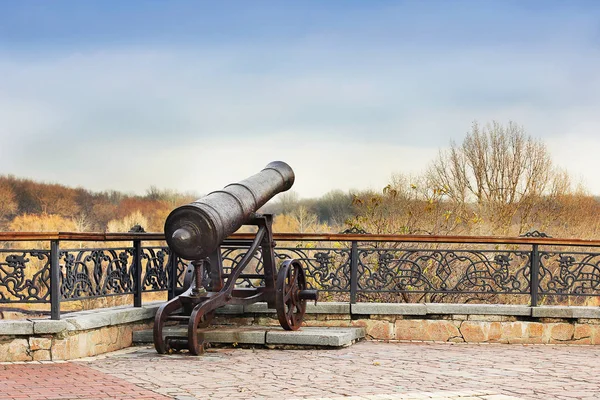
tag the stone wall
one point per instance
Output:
(77, 335)
(94, 332)
(443, 322)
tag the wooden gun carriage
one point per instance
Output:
(196, 232)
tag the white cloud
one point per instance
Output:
(197, 120)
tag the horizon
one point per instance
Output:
(107, 95)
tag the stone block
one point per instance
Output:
(265, 335)
(535, 329)
(495, 332)
(153, 306)
(328, 308)
(15, 350)
(376, 329)
(266, 321)
(595, 334)
(230, 309)
(586, 312)
(59, 350)
(311, 308)
(331, 322)
(125, 336)
(409, 329)
(332, 317)
(38, 343)
(331, 337)
(428, 330)
(485, 318)
(478, 309)
(218, 335)
(512, 332)
(232, 320)
(41, 326)
(128, 315)
(583, 334)
(551, 312)
(475, 332)
(90, 321)
(259, 308)
(442, 331)
(389, 309)
(566, 312)
(14, 327)
(560, 332)
(235, 335)
(41, 355)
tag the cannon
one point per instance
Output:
(196, 232)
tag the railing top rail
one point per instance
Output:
(333, 237)
(79, 236)
(434, 239)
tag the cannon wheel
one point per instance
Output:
(290, 307)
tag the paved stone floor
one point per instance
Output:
(367, 370)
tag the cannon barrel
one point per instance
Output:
(195, 230)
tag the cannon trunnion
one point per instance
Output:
(197, 231)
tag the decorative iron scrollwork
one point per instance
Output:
(137, 229)
(354, 231)
(573, 273)
(435, 274)
(535, 234)
(24, 276)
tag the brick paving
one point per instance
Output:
(367, 370)
(66, 381)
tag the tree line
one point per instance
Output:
(497, 181)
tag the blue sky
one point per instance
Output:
(191, 95)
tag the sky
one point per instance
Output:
(193, 95)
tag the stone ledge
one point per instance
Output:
(320, 308)
(389, 309)
(87, 322)
(80, 321)
(478, 309)
(49, 326)
(316, 336)
(259, 308)
(16, 327)
(328, 308)
(565, 312)
(110, 316)
(306, 336)
(230, 309)
(93, 319)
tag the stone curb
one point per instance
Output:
(49, 326)
(388, 309)
(80, 321)
(320, 308)
(11, 327)
(333, 337)
(230, 309)
(306, 336)
(92, 319)
(565, 312)
(478, 309)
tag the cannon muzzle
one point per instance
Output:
(195, 230)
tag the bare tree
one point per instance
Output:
(498, 173)
(8, 202)
(288, 201)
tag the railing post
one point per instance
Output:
(353, 271)
(172, 275)
(137, 273)
(55, 295)
(534, 279)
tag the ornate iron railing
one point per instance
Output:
(350, 267)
